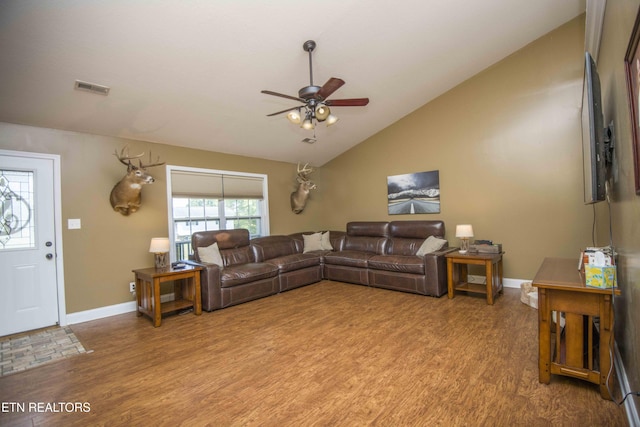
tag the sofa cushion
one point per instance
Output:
(237, 256)
(420, 229)
(348, 258)
(325, 241)
(312, 242)
(336, 239)
(233, 245)
(431, 244)
(295, 262)
(211, 254)
(399, 263)
(238, 274)
(373, 245)
(268, 247)
(368, 228)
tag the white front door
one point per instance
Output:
(28, 279)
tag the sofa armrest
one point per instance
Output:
(435, 267)
(209, 285)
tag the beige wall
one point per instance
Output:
(507, 143)
(625, 210)
(99, 257)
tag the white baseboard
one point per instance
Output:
(629, 404)
(108, 311)
(507, 283)
(101, 312)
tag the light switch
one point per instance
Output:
(74, 224)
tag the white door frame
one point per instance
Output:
(57, 213)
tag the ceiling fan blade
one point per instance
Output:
(268, 92)
(284, 111)
(332, 85)
(353, 102)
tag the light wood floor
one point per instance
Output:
(329, 354)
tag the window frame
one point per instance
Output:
(174, 168)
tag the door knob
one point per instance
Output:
(49, 256)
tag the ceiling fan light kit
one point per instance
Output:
(294, 117)
(314, 99)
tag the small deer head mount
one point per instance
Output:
(300, 196)
(125, 196)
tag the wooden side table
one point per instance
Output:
(186, 295)
(576, 351)
(457, 278)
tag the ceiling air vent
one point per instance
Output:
(92, 87)
(309, 140)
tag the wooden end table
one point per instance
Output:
(186, 295)
(576, 352)
(457, 278)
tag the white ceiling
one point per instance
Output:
(190, 72)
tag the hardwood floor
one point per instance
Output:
(329, 354)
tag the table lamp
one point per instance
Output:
(160, 247)
(464, 232)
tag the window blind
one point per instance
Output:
(216, 185)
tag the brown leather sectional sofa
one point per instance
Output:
(372, 253)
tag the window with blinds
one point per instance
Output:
(214, 200)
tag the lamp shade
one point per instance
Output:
(308, 123)
(159, 245)
(464, 230)
(331, 119)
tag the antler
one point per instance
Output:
(122, 157)
(125, 159)
(157, 163)
(304, 171)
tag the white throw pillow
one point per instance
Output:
(312, 242)
(325, 242)
(431, 244)
(211, 255)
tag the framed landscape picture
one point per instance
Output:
(414, 193)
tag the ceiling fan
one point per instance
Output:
(314, 99)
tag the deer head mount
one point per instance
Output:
(125, 196)
(300, 196)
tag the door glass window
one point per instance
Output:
(16, 209)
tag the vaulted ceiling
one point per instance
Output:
(190, 72)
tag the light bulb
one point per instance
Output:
(307, 124)
(331, 119)
(294, 117)
(322, 112)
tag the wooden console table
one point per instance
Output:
(186, 295)
(457, 279)
(576, 351)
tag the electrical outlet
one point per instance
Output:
(132, 287)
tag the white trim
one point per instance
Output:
(57, 219)
(101, 312)
(593, 26)
(507, 283)
(629, 404)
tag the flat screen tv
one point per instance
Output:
(593, 135)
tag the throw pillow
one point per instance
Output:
(431, 244)
(312, 242)
(325, 242)
(211, 255)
